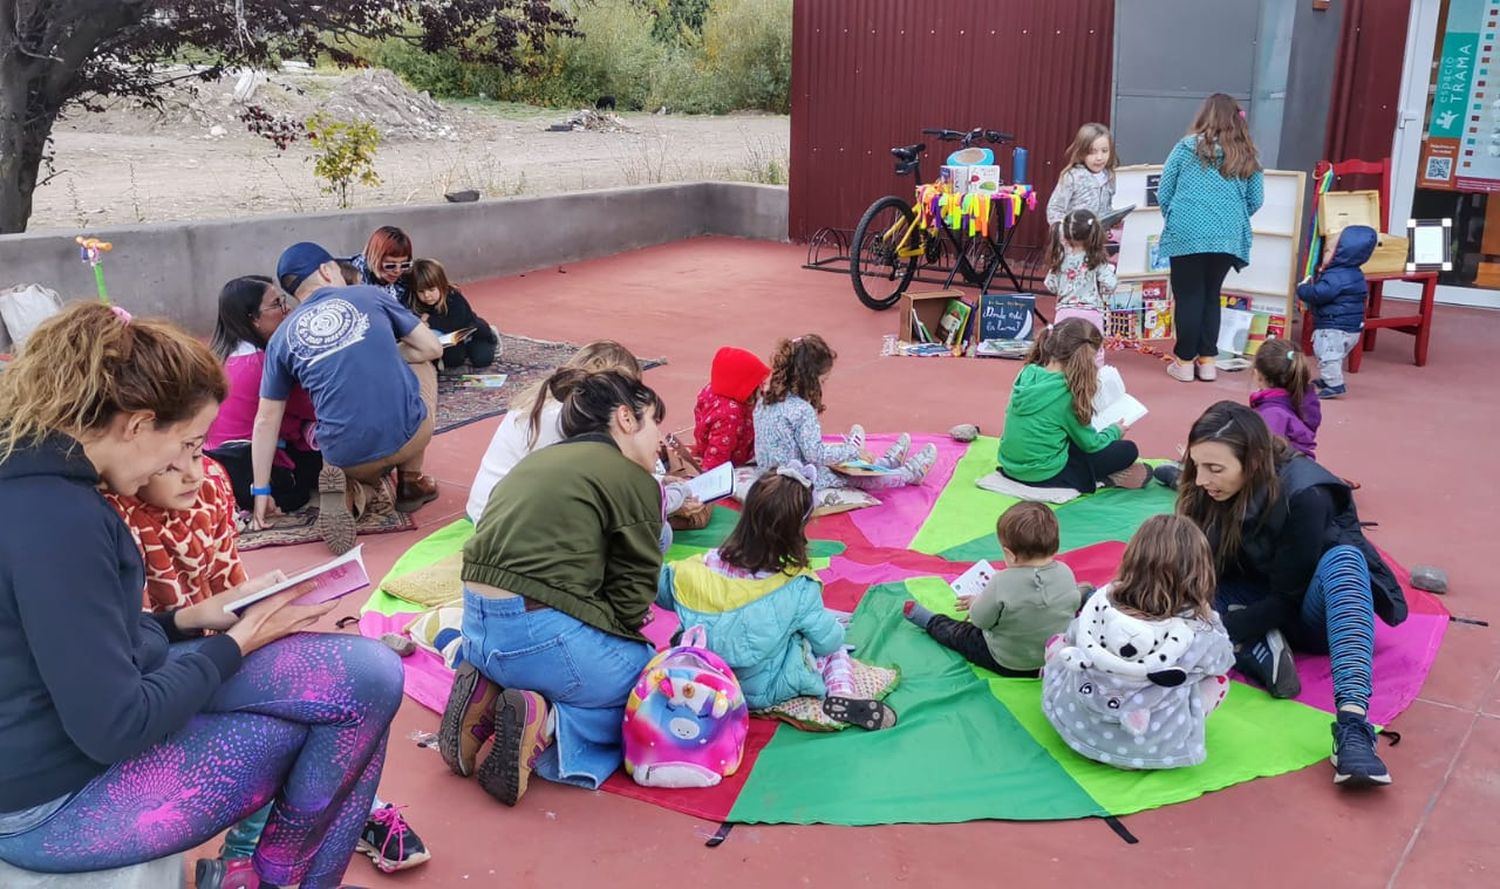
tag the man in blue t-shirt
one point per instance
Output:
(366, 361)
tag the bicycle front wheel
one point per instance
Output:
(883, 256)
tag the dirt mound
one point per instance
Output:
(212, 109)
(399, 112)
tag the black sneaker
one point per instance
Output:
(390, 842)
(1167, 473)
(1269, 662)
(1355, 762)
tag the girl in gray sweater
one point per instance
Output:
(1133, 680)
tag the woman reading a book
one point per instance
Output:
(112, 717)
(559, 578)
(1293, 566)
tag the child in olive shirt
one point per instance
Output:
(1023, 606)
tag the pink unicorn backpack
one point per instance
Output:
(686, 719)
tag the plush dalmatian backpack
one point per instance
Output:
(686, 718)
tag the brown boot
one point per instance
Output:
(335, 523)
(414, 491)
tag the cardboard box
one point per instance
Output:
(1346, 208)
(1343, 208)
(927, 307)
(1389, 257)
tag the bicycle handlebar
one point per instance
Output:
(969, 138)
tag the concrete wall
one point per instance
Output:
(175, 270)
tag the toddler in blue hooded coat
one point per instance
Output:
(1337, 300)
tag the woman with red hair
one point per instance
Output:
(386, 262)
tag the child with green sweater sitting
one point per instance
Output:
(1023, 606)
(1047, 441)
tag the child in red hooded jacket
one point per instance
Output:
(723, 418)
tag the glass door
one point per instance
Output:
(1445, 156)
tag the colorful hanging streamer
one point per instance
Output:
(1314, 235)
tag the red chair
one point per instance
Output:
(1418, 325)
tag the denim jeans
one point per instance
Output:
(585, 673)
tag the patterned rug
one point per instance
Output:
(297, 527)
(523, 360)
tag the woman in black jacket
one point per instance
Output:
(445, 310)
(1293, 566)
(131, 736)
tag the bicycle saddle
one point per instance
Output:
(908, 153)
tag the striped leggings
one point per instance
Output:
(1339, 611)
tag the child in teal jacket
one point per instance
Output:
(761, 607)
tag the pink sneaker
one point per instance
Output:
(1208, 370)
(1181, 371)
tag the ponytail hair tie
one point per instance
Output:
(120, 313)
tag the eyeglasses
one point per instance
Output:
(396, 266)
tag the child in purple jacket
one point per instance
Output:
(1284, 394)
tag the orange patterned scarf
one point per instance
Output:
(190, 554)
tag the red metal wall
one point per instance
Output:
(870, 74)
(1367, 87)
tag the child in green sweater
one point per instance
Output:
(1023, 606)
(1047, 441)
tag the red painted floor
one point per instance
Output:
(1411, 435)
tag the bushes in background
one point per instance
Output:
(696, 56)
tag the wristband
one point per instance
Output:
(260, 491)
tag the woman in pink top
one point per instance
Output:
(250, 310)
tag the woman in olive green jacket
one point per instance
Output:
(558, 582)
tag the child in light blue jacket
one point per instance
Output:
(761, 606)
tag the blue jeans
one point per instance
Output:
(585, 673)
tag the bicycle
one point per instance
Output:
(890, 239)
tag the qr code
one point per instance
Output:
(1439, 169)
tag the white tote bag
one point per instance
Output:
(22, 309)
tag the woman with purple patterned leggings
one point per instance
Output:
(132, 736)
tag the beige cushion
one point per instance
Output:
(437, 584)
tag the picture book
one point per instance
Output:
(715, 484)
(330, 580)
(1115, 217)
(955, 322)
(482, 381)
(1126, 297)
(1112, 404)
(1234, 330)
(972, 582)
(1005, 316)
(455, 337)
(1154, 260)
(863, 467)
(1013, 349)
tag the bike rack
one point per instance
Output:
(829, 245)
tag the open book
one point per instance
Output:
(715, 484)
(1112, 404)
(330, 580)
(972, 582)
(1115, 217)
(455, 337)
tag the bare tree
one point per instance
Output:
(61, 55)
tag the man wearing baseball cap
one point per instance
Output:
(366, 362)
